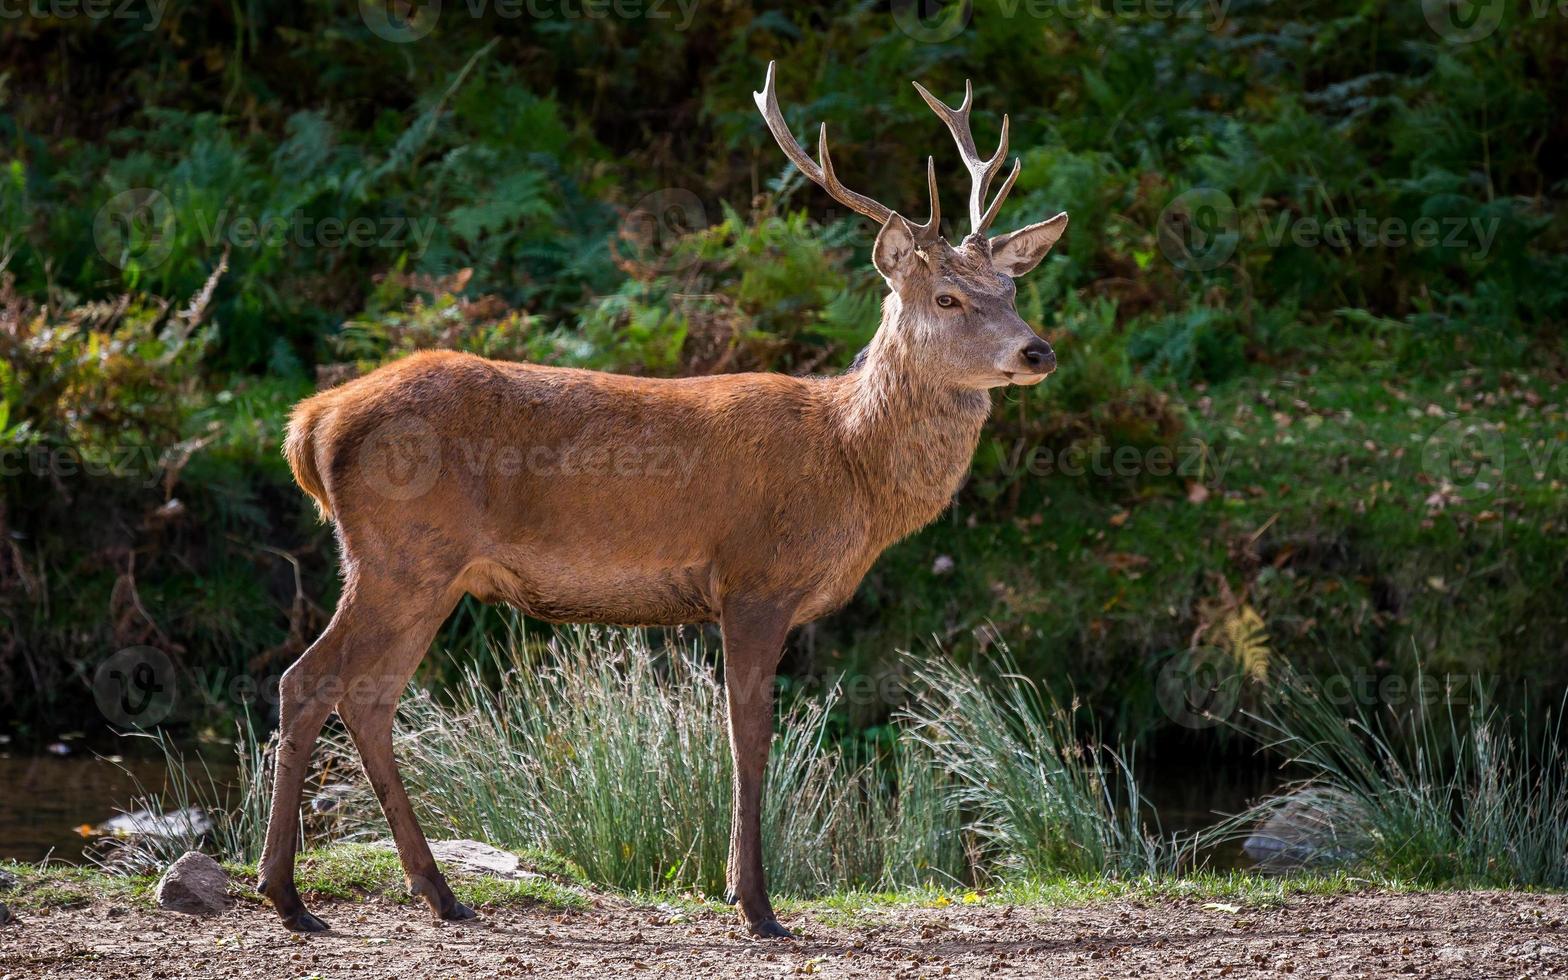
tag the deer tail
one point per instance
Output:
(299, 448)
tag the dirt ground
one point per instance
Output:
(1470, 935)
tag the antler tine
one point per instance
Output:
(981, 171)
(1001, 195)
(824, 175)
(932, 229)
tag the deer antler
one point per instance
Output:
(768, 102)
(980, 171)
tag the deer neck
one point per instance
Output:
(910, 433)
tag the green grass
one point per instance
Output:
(1249, 890)
(357, 873)
(1436, 793)
(611, 754)
(338, 872)
(46, 886)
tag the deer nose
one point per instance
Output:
(1039, 356)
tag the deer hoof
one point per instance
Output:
(303, 921)
(770, 929)
(458, 913)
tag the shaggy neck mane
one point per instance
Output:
(909, 432)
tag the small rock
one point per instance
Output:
(5, 915)
(333, 796)
(8, 881)
(473, 857)
(191, 821)
(195, 884)
(1312, 827)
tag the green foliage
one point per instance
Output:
(99, 381)
(773, 294)
(1040, 800)
(1201, 344)
(504, 175)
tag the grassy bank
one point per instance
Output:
(604, 760)
(335, 873)
(359, 873)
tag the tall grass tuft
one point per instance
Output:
(1037, 798)
(1449, 794)
(926, 845)
(597, 748)
(602, 750)
(194, 809)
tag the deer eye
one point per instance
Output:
(946, 302)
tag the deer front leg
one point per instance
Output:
(753, 643)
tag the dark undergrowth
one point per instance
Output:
(1314, 412)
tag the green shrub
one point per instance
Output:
(1448, 790)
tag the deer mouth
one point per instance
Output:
(1025, 380)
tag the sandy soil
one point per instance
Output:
(1470, 935)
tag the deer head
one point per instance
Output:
(952, 308)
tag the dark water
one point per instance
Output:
(44, 798)
(1194, 794)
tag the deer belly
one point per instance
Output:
(561, 589)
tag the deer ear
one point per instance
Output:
(895, 254)
(1016, 252)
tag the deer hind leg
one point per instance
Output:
(305, 697)
(367, 653)
(369, 715)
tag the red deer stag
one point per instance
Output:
(558, 491)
